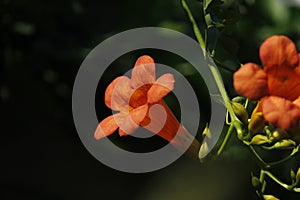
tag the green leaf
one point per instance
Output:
(206, 3)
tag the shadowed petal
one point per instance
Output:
(118, 93)
(128, 123)
(281, 113)
(106, 127)
(251, 81)
(284, 83)
(161, 88)
(143, 72)
(278, 52)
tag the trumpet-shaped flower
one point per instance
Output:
(139, 102)
(277, 85)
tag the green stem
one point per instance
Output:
(262, 180)
(266, 165)
(286, 186)
(195, 27)
(276, 163)
(229, 132)
(221, 87)
(213, 69)
(235, 121)
(261, 161)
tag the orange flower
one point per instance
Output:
(277, 85)
(139, 103)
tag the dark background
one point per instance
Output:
(42, 45)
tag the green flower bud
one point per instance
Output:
(298, 175)
(257, 122)
(259, 140)
(293, 175)
(256, 183)
(206, 132)
(270, 197)
(240, 111)
(279, 134)
(284, 144)
(240, 100)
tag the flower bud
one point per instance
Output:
(298, 175)
(270, 197)
(240, 111)
(293, 175)
(256, 183)
(259, 140)
(257, 122)
(206, 132)
(279, 134)
(284, 144)
(240, 100)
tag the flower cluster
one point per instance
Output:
(277, 86)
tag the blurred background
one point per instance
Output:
(42, 45)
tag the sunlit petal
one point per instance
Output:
(119, 94)
(106, 127)
(161, 88)
(109, 91)
(297, 101)
(143, 72)
(128, 123)
(251, 81)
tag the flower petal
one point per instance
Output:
(278, 52)
(161, 88)
(139, 96)
(106, 127)
(281, 112)
(143, 72)
(117, 94)
(297, 101)
(109, 91)
(128, 123)
(251, 81)
(284, 83)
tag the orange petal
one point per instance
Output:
(284, 83)
(143, 72)
(281, 112)
(161, 88)
(117, 94)
(128, 123)
(278, 52)
(250, 81)
(297, 101)
(162, 122)
(122, 133)
(139, 96)
(297, 69)
(106, 127)
(109, 90)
